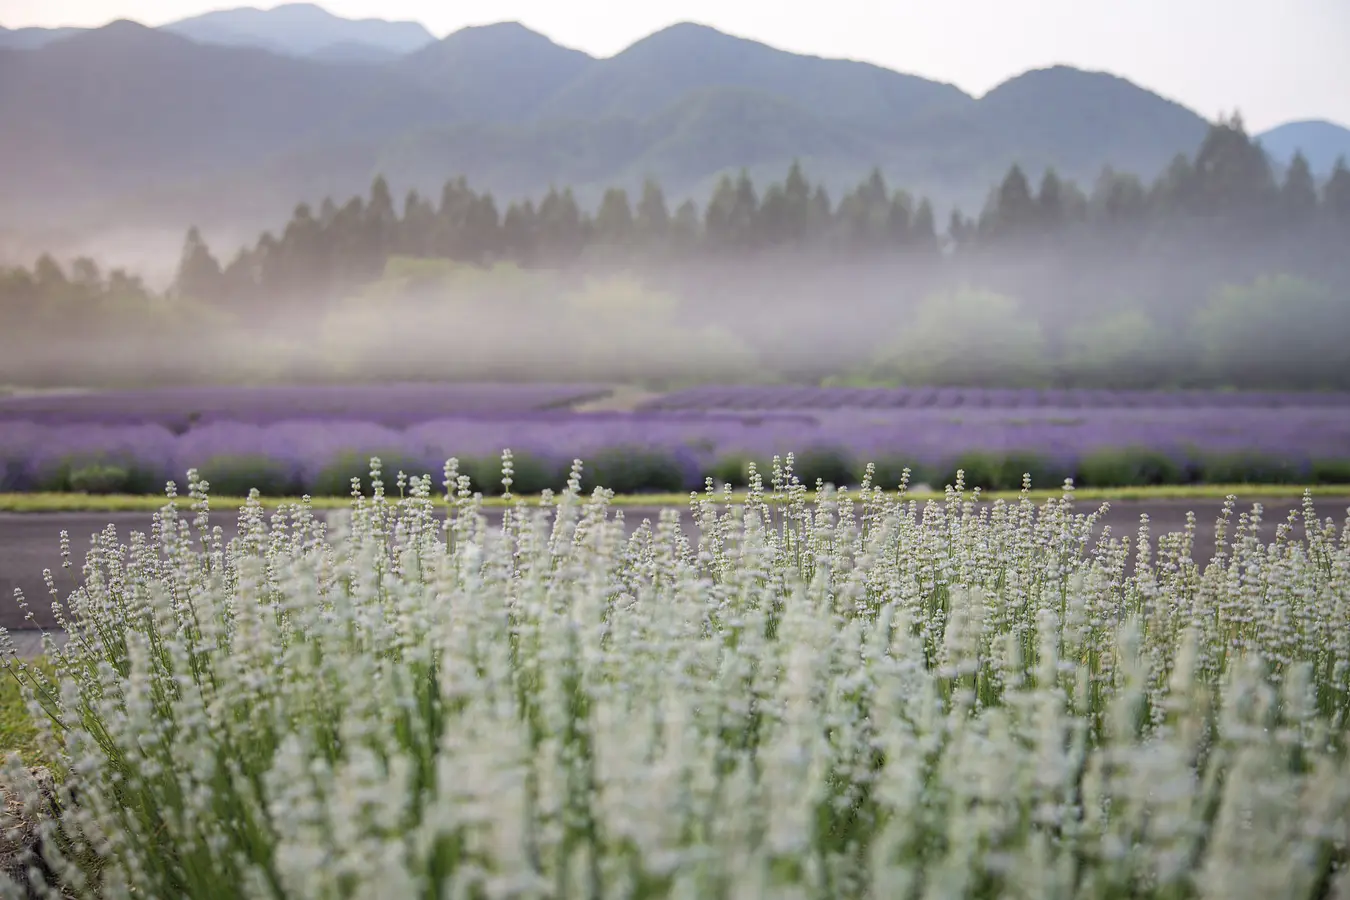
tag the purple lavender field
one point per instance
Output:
(757, 397)
(396, 406)
(303, 433)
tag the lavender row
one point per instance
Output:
(394, 405)
(305, 449)
(774, 397)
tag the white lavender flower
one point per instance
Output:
(825, 694)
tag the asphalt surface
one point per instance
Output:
(30, 542)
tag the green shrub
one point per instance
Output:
(887, 471)
(831, 465)
(981, 470)
(100, 475)
(633, 470)
(1330, 471)
(734, 469)
(998, 472)
(335, 479)
(484, 474)
(1123, 348)
(1129, 467)
(235, 476)
(530, 475)
(1246, 332)
(1045, 471)
(535, 474)
(964, 336)
(1249, 468)
(99, 479)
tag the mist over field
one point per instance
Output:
(1170, 285)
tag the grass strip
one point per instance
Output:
(18, 734)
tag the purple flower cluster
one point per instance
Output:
(923, 435)
(786, 397)
(935, 434)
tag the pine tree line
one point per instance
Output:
(1228, 190)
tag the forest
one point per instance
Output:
(1221, 272)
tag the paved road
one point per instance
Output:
(29, 542)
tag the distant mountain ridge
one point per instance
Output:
(291, 29)
(495, 73)
(32, 38)
(196, 122)
(660, 69)
(1320, 142)
(301, 29)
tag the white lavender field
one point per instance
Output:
(827, 695)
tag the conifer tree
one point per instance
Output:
(561, 228)
(381, 222)
(653, 217)
(416, 230)
(745, 212)
(900, 220)
(1015, 211)
(686, 232)
(483, 240)
(796, 224)
(1050, 203)
(864, 214)
(199, 273)
(1233, 178)
(1175, 194)
(350, 254)
(719, 215)
(614, 220)
(820, 215)
(923, 228)
(1336, 193)
(519, 232)
(302, 256)
(48, 275)
(1118, 199)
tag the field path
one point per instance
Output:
(29, 542)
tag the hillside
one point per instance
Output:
(32, 38)
(356, 52)
(293, 29)
(303, 29)
(133, 126)
(1321, 143)
(495, 73)
(125, 107)
(665, 67)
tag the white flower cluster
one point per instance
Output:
(824, 695)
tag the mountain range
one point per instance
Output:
(294, 29)
(234, 116)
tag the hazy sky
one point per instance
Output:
(1275, 60)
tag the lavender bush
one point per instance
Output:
(1212, 443)
(830, 695)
